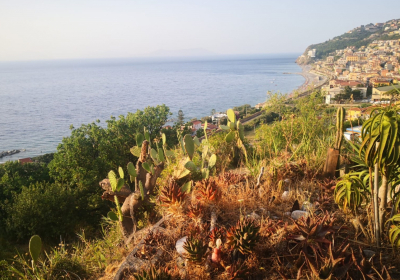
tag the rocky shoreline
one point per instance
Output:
(10, 153)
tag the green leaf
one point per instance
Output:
(189, 145)
(212, 161)
(147, 136)
(131, 169)
(205, 173)
(169, 153)
(35, 246)
(187, 187)
(141, 190)
(184, 173)
(120, 184)
(121, 172)
(146, 167)
(196, 141)
(191, 166)
(164, 139)
(112, 216)
(161, 155)
(136, 151)
(113, 180)
(241, 131)
(139, 139)
(231, 115)
(230, 137)
(224, 127)
(154, 155)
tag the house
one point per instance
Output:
(353, 113)
(196, 125)
(25, 160)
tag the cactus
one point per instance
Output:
(235, 132)
(35, 246)
(340, 115)
(195, 249)
(208, 160)
(116, 186)
(244, 236)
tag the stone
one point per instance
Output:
(179, 245)
(285, 195)
(298, 214)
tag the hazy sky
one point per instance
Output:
(62, 29)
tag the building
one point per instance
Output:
(25, 160)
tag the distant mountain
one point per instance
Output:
(182, 53)
(357, 37)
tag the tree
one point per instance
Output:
(357, 95)
(181, 117)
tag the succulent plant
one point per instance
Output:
(152, 274)
(35, 246)
(217, 233)
(195, 248)
(311, 235)
(207, 190)
(195, 210)
(237, 270)
(172, 195)
(154, 238)
(244, 236)
(195, 229)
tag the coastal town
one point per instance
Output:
(367, 74)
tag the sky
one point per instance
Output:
(76, 29)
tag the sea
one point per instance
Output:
(39, 100)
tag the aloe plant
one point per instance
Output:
(381, 147)
(243, 236)
(195, 249)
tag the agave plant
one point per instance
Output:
(195, 248)
(243, 236)
(208, 190)
(310, 236)
(152, 274)
(172, 194)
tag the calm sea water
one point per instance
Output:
(40, 100)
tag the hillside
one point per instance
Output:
(357, 37)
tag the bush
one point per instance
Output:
(49, 210)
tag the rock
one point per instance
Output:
(179, 245)
(254, 216)
(298, 214)
(369, 253)
(285, 195)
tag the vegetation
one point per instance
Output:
(233, 219)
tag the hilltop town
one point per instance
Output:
(361, 73)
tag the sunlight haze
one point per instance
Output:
(35, 30)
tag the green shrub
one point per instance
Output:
(49, 210)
